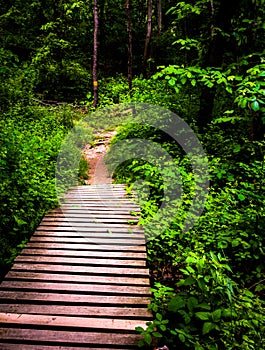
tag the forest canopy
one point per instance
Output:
(204, 61)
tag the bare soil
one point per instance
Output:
(95, 154)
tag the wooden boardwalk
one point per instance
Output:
(81, 282)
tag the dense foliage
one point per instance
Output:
(208, 282)
(31, 138)
(205, 62)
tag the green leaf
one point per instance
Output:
(182, 338)
(190, 269)
(243, 103)
(192, 303)
(236, 242)
(213, 256)
(216, 315)
(202, 285)
(171, 82)
(203, 315)
(139, 329)
(209, 84)
(230, 111)
(241, 197)
(204, 306)
(187, 282)
(157, 335)
(248, 293)
(19, 221)
(255, 106)
(237, 148)
(141, 343)
(148, 338)
(191, 259)
(176, 303)
(159, 317)
(198, 347)
(231, 177)
(162, 327)
(207, 327)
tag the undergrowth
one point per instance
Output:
(31, 138)
(208, 283)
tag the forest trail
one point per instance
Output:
(95, 154)
(81, 281)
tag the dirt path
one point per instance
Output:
(95, 156)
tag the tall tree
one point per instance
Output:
(148, 33)
(159, 17)
(95, 54)
(130, 56)
(221, 18)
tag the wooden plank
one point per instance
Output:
(80, 261)
(112, 195)
(94, 240)
(70, 337)
(92, 228)
(89, 234)
(86, 219)
(120, 193)
(72, 322)
(100, 223)
(87, 246)
(36, 276)
(98, 195)
(75, 287)
(9, 346)
(110, 201)
(97, 207)
(100, 212)
(83, 253)
(70, 223)
(78, 310)
(99, 270)
(85, 299)
(102, 201)
(107, 205)
(86, 214)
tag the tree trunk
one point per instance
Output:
(129, 31)
(159, 17)
(148, 34)
(221, 18)
(95, 55)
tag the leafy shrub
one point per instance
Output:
(206, 309)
